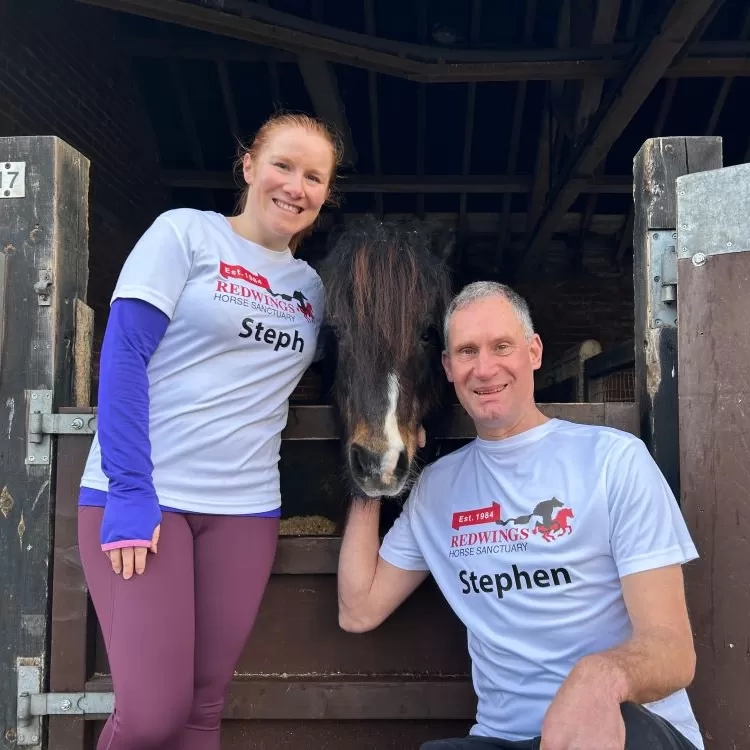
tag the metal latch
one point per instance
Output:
(42, 424)
(32, 704)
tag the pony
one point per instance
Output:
(387, 290)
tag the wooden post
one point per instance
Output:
(713, 211)
(44, 240)
(657, 165)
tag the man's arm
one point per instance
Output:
(656, 661)
(369, 588)
(659, 658)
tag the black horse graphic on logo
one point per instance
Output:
(544, 510)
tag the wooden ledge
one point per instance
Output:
(343, 698)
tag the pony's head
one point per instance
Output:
(386, 293)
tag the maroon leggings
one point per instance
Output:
(174, 634)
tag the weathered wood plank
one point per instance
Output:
(69, 644)
(47, 230)
(657, 165)
(83, 346)
(362, 700)
(714, 390)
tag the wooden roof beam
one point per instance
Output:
(602, 32)
(411, 61)
(228, 96)
(421, 105)
(486, 184)
(471, 100)
(320, 82)
(707, 59)
(644, 73)
(726, 84)
(515, 133)
(484, 223)
(372, 92)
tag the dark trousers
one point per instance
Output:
(644, 730)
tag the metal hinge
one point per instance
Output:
(32, 704)
(662, 245)
(42, 424)
(43, 288)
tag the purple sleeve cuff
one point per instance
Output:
(133, 333)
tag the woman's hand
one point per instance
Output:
(129, 560)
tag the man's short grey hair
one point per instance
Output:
(482, 290)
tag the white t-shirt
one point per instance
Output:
(535, 603)
(244, 322)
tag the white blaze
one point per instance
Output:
(390, 430)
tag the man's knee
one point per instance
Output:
(645, 730)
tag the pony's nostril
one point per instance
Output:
(364, 462)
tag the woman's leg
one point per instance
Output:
(233, 560)
(148, 628)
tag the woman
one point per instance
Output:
(212, 324)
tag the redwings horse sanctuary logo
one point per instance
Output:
(549, 521)
(259, 295)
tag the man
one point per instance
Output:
(558, 545)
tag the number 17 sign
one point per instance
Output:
(12, 179)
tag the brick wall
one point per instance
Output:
(593, 303)
(63, 72)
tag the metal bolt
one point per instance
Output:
(31, 458)
(6, 193)
(656, 278)
(45, 458)
(699, 259)
(77, 423)
(33, 395)
(685, 251)
(674, 235)
(657, 323)
(684, 226)
(34, 739)
(66, 705)
(656, 235)
(729, 244)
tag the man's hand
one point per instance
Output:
(585, 714)
(129, 560)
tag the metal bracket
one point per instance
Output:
(42, 424)
(43, 287)
(32, 704)
(663, 264)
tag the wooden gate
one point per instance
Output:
(301, 682)
(713, 283)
